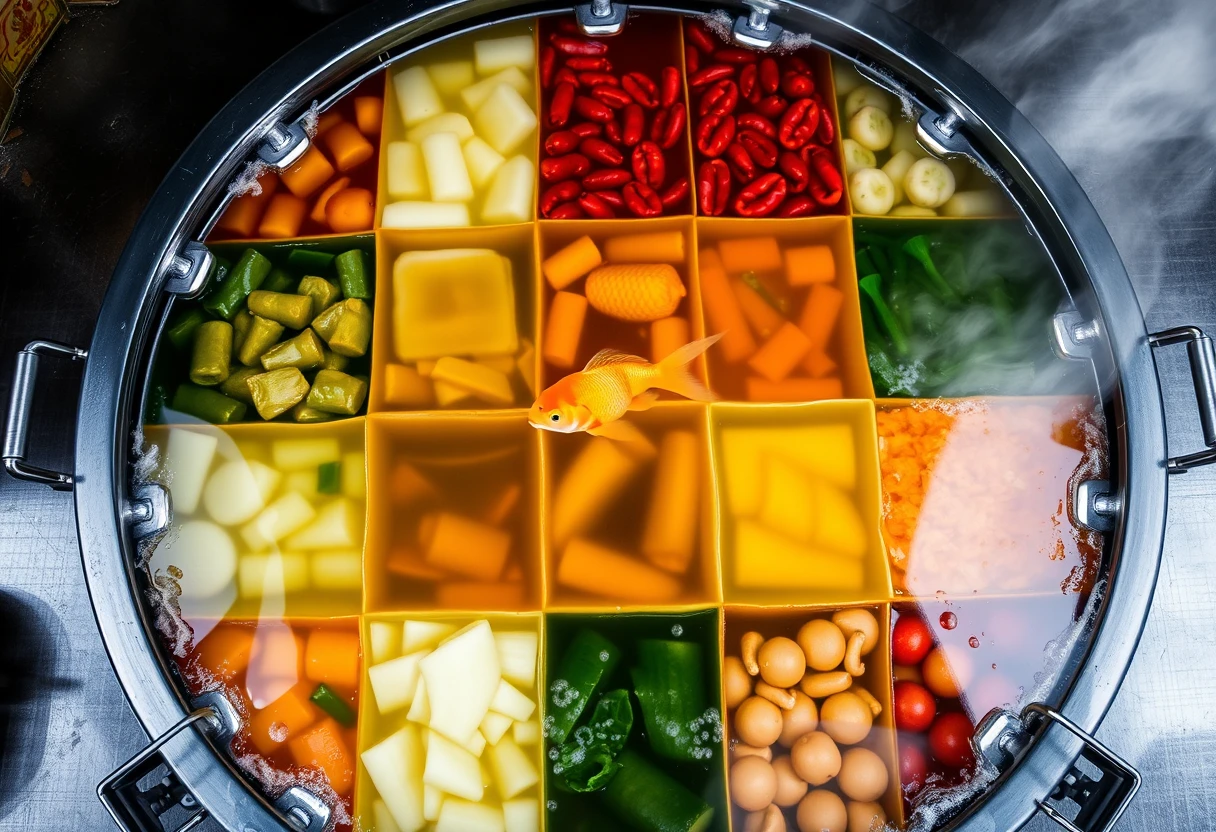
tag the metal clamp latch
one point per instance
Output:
(1073, 335)
(284, 146)
(1203, 374)
(148, 511)
(942, 134)
(1096, 505)
(188, 272)
(601, 18)
(21, 399)
(754, 30)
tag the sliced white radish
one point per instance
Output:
(420, 711)
(476, 95)
(450, 77)
(188, 458)
(432, 802)
(417, 635)
(452, 769)
(494, 726)
(406, 173)
(446, 173)
(476, 745)
(383, 818)
(417, 97)
(521, 815)
(871, 128)
(337, 525)
(497, 54)
(482, 160)
(385, 641)
(408, 214)
(928, 183)
(509, 198)
(517, 657)
(504, 119)
(510, 702)
(526, 733)
(463, 816)
(457, 123)
(395, 681)
(871, 191)
(513, 770)
(337, 570)
(279, 519)
(396, 767)
(462, 678)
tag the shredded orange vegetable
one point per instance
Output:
(909, 441)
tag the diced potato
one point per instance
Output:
(985, 203)
(499, 53)
(395, 681)
(406, 175)
(188, 458)
(457, 123)
(513, 770)
(522, 815)
(445, 169)
(354, 475)
(494, 727)
(823, 451)
(474, 96)
(421, 635)
(451, 768)
(272, 575)
(279, 519)
(462, 678)
(526, 733)
(476, 745)
(204, 553)
(510, 702)
(304, 483)
(338, 525)
(463, 816)
(483, 382)
(450, 77)
(237, 491)
(766, 560)
(510, 196)
(396, 767)
(504, 120)
(417, 97)
(297, 454)
(482, 161)
(449, 395)
(383, 818)
(420, 711)
(340, 570)
(425, 215)
(432, 802)
(386, 641)
(517, 657)
(905, 139)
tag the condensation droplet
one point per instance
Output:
(677, 630)
(948, 620)
(973, 641)
(551, 805)
(994, 665)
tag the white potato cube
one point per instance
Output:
(386, 641)
(517, 657)
(987, 203)
(526, 733)
(187, 460)
(499, 53)
(395, 767)
(204, 553)
(338, 570)
(494, 726)
(303, 483)
(354, 475)
(476, 95)
(445, 169)
(337, 525)
(272, 575)
(482, 161)
(279, 519)
(463, 816)
(417, 97)
(505, 120)
(457, 123)
(383, 818)
(395, 681)
(298, 454)
(522, 815)
(510, 702)
(450, 77)
(420, 711)
(432, 801)
(452, 769)
(417, 635)
(234, 493)
(513, 770)
(462, 678)
(406, 175)
(425, 215)
(510, 196)
(476, 745)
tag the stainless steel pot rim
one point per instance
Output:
(1063, 217)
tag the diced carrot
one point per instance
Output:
(666, 336)
(348, 147)
(564, 330)
(480, 596)
(504, 505)
(653, 247)
(426, 529)
(793, 389)
(241, 218)
(514, 574)
(325, 747)
(369, 113)
(568, 264)
(404, 386)
(311, 172)
(225, 650)
(809, 264)
(818, 363)
(326, 120)
(468, 548)
(722, 309)
(408, 485)
(317, 214)
(820, 313)
(350, 210)
(750, 254)
(781, 353)
(332, 656)
(764, 319)
(426, 367)
(283, 218)
(670, 534)
(283, 719)
(407, 562)
(597, 570)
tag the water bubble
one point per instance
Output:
(677, 630)
(604, 655)
(948, 620)
(278, 732)
(551, 805)
(973, 641)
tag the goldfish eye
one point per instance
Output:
(556, 417)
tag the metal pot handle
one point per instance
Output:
(20, 401)
(1202, 355)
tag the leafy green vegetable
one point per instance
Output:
(871, 285)
(587, 761)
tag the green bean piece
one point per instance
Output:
(248, 274)
(294, 311)
(865, 263)
(303, 352)
(918, 247)
(352, 275)
(305, 415)
(323, 293)
(263, 334)
(279, 281)
(309, 261)
(181, 332)
(240, 328)
(333, 704)
(329, 477)
(277, 391)
(212, 358)
(871, 286)
(353, 331)
(207, 405)
(333, 361)
(325, 323)
(236, 386)
(337, 392)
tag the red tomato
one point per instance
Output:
(914, 707)
(910, 639)
(913, 767)
(950, 740)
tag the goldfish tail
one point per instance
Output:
(674, 373)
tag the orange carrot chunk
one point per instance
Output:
(504, 505)
(751, 254)
(480, 596)
(326, 120)
(241, 217)
(369, 112)
(404, 386)
(311, 172)
(722, 310)
(818, 363)
(666, 336)
(793, 389)
(820, 313)
(467, 547)
(350, 210)
(283, 719)
(317, 214)
(407, 562)
(407, 484)
(348, 147)
(283, 217)
(325, 747)
(332, 656)
(764, 319)
(809, 264)
(781, 353)
(225, 650)
(564, 329)
(597, 570)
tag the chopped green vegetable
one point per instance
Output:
(918, 247)
(303, 351)
(277, 391)
(352, 275)
(309, 261)
(248, 274)
(346, 327)
(325, 699)
(586, 663)
(241, 325)
(323, 293)
(181, 332)
(262, 335)
(871, 286)
(211, 360)
(336, 392)
(305, 415)
(329, 478)
(670, 685)
(587, 761)
(294, 311)
(646, 798)
(333, 361)
(279, 281)
(207, 405)
(237, 383)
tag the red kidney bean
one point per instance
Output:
(770, 76)
(670, 86)
(602, 180)
(720, 99)
(594, 79)
(561, 142)
(734, 55)
(565, 75)
(741, 162)
(707, 75)
(796, 206)
(648, 164)
(676, 194)
(567, 211)
(797, 173)
(827, 129)
(592, 109)
(826, 185)
(557, 194)
(587, 128)
(595, 207)
(586, 63)
(634, 125)
(713, 187)
(759, 147)
(548, 61)
(797, 85)
(613, 133)
(613, 198)
(757, 122)
(668, 126)
(771, 106)
(598, 150)
(614, 97)
(559, 105)
(799, 124)
(714, 133)
(798, 65)
(692, 59)
(642, 88)
(578, 46)
(762, 196)
(642, 200)
(564, 167)
(700, 36)
(749, 85)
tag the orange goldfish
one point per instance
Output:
(614, 383)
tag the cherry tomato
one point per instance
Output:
(914, 707)
(913, 767)
(910, 639)
(950, 740)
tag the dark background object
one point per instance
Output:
(1122, 89)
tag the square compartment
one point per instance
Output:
(453, 515)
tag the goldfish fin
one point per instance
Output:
(603, 358)
(674, 374)
(644, 401)
(619, 430)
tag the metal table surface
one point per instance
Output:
(1122, 88)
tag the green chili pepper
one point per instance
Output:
(337, 392)
(277, 391)
(352, 275)
(325, 699)
(207, 405)
(871, 285)
(181, 332)
(323, 293)
(303, 352)
(248, 274)
(294, 311)
(918, 247)
(309, 261)
(263, 334)
(212, 358)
